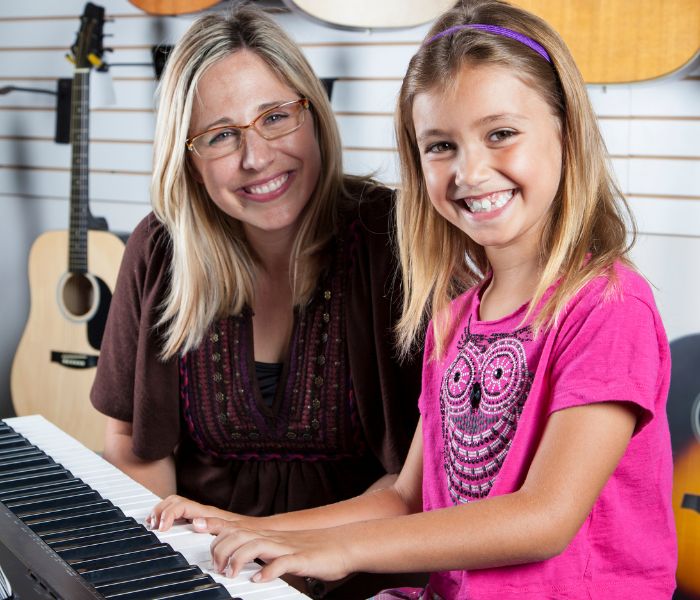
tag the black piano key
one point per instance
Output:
(124, 545)
(95, 518)
(74, 538)
(76, 510)
(131, 584)
(18, 470)
(13, 441)
(25, 464)
(149, 589)
(43, 498)
(13, 474)
(53, 500)
(39, 490)
(206, 591)
(119, 558)
(137, 568)
(10, 453)
(74, 531)
(26, 482)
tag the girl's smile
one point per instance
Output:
(489, 203)
(491, 156)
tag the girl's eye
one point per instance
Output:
(438, 148)
(501, 135)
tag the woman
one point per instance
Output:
(247, 360)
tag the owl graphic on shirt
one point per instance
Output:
(482, 395)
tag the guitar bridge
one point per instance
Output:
(73, 360)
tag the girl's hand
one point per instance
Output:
(318, 553)
(167, 511)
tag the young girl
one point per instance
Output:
(542, 460)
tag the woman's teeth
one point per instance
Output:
(490, 202)
(271, 186)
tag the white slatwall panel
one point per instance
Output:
(652, 131)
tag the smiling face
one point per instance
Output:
(265, 184)
(491, 156)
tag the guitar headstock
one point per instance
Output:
(87, 50)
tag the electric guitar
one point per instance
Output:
(54, 366)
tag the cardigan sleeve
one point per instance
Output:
(132, 383)
(386, 390)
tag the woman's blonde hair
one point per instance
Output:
(585, 232)
(212, 271)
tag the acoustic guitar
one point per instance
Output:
(54, 366)
(613, 41)
(172, 7)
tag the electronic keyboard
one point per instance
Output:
(71, 528)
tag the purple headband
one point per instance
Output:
(523, 39)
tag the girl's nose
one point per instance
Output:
(472, 169)
(256, 151)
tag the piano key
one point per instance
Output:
(189, 573)
(10, 453)
(34, 480)
(127, 544)
(78, 509)
(147, 566)
(40, 490)
(53, 499)
(94, 518)
(158, 585)
(78, 531)
(83, 539)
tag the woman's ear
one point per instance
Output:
(192, 168)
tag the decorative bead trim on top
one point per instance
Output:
(314, 415)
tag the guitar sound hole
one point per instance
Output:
(78, 295)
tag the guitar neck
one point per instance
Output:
(79, 212)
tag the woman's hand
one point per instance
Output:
(318, 553)
(167, 511)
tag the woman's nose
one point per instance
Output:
(256, 151)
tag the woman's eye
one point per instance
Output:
(438, 148)
(275, 118)
(501, 135)
(222, 136)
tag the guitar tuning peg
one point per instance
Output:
(70, 58)
(95, 60)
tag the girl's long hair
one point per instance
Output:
(585, 232)
(213, 267)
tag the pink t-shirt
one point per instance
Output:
(484, 407)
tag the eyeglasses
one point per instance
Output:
(271, 124)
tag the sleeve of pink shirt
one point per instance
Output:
(610, 348)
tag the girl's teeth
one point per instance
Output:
(492, 202)
(268, 187)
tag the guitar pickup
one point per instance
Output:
(73, 360)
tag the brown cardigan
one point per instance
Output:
(132, 384)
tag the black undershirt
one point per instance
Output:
(268, 375)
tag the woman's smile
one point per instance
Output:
(269, 189)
